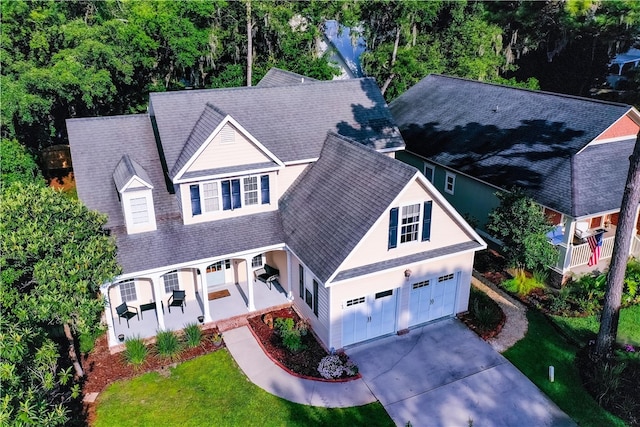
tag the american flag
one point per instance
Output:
(595, 243)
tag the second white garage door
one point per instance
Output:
(368, 317)
(432, 299)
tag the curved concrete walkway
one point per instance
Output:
(264, 373)
(516, 324)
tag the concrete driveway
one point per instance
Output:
(443, 374)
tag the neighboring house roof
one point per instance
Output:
(333, 204)
(278, 77)
(290, 121)
(508, 136)
(128, 169)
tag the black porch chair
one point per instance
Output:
(176, 300)
(127, 312)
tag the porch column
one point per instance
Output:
(635, 229)
(289, 293)
(112, 340)
(158, 294)
(251, 304)
(202, 278)
(567, 243)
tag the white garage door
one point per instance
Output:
(368, 317)
(432, 299)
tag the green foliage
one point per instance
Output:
(543, 339)
(290, 335)
(16, 165)
(168, 344)
(215, 377)
(192, 335)
(485, 311)
(521, 226)
(53, 256)
(135, 351)
(521, 284)
(87, 340)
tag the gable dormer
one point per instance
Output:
(223, 168)
(135, 194)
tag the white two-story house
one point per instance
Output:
(294, 177)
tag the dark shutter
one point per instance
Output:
(226, 195)
(235, 193)
(301, 273)
(315, 297)
(264, 188)
(195, 199)
(426, 221)
(393, 228)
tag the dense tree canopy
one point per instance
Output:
(85, 58)
(54, 254)
(521, 226)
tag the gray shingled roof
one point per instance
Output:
(406, 260)
(290, 121)
(508, 136)
(327, 211)
(97, 146)
(174, 243)
(229, 170)
(127, 169)
(210, 118)
(278, 77)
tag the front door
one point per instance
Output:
(216, 274)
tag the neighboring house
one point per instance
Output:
(621, 68)
(570, 154)
(213, 188)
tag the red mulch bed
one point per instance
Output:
(304, 363)
(102, 368)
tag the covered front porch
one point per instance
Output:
(213, 291)
(574, 239)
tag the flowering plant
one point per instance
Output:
(629, 348)
(337, 365)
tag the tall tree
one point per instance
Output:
(615, 278)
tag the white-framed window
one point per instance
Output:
(128, 290)
(354, 301)
(211, 196)
(257, 261)
(251, 190)
(421, 284)
(450, 182)
(139, 210)
(445, 277)
(410, 223)
(429, 171)
(171, 281)
(216, 266)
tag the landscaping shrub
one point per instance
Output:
(167, 344)
(135, 352)
(336, 366)
(87, 340)
(521, 284)
(484, 310)
(290, 335)
(192, 335)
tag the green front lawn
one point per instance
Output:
(543, 346)
(584, 329)
(211, 390)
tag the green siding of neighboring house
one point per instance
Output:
(472, 199)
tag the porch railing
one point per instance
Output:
(580, 254)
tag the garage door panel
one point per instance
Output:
(368, 317)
